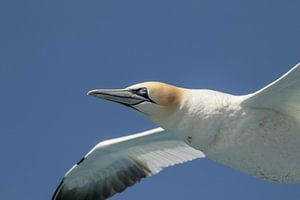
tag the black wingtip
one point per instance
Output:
(105, 188)
(56, 193)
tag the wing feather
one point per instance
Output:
(283, 95)
(113, 165)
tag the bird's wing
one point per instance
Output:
(283, 95)
(113, 165)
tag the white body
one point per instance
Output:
(259, 141)
(257, 133)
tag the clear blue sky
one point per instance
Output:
(53, 52)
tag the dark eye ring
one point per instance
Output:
(143, 91)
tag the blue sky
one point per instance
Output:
(53, 52)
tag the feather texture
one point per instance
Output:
(113, 165)
(283, 95)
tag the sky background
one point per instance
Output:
(53, 52)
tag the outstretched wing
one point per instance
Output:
(113, 165)
(283, 95)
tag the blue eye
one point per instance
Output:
(142, 91)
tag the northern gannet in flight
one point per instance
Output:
(257, 133)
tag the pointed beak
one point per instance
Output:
(123, 96)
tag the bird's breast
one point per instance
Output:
(261, 142)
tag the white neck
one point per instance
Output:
(201, 113)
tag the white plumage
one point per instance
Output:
(257, 133)
(114, 164)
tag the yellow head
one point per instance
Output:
(156, 100)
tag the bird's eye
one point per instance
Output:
(142, 91)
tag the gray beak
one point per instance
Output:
(123, 96)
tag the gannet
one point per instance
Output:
(258, 133)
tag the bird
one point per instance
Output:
(256, 133)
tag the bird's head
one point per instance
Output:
(155, 100)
